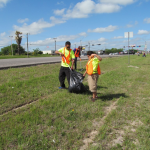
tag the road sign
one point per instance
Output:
(128, 34)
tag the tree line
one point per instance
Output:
(113, 50)
(7, 50)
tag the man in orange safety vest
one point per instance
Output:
(68, 58)
(93, 71)
(77, 52)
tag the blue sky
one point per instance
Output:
(95, 21)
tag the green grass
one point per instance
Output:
(25, 56)
(59, 120)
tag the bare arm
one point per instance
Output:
(57, 52)
(99, 58)
(72, 64)
(85, 74)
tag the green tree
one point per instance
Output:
(113, 50)
(7, 50)
(18, 40)
(37, 51)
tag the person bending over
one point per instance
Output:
(77, 52)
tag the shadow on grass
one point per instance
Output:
(89, 93)
(109, 97)
(145, 64)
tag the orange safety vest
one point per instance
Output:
(89, 68)
(67, 58)
(77, 53)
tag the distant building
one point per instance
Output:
(51, 52)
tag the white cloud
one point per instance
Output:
(3, 3)
(2, 34)
(143, 32)
(33, 28)
(59, 3)
(120, 2)
(86, 7)
(129, 25)
(59, 12)
(136, 22)
(106, 8)
(132, 25)
(147, 20)
(118, 37)
(4, 39)
(61, 38)
(56, 21)
(37, 27)
(106, 29)
(83, 34)
(23, 20)
(102, 40)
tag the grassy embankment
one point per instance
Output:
(25, 56)
(59, 120)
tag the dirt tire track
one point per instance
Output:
(94, 133)
(21, 106)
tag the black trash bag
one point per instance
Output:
(80, 76)
(76, 85)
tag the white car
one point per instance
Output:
(111, 54)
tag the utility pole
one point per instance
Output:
(80, 46)
(27, 45)
(89, 46)
(75, 45)
(128, 35)
(55, 43)
(128, 50)
(11, 45)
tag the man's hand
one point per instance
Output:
(85, 74)
(61, 54)
(71, 67)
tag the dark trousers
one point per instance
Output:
(64, 71)
(75, 62)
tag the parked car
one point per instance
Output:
(111, 54)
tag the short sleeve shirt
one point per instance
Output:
(72, 56)
(95, 65)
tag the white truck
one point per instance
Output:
(101, 52)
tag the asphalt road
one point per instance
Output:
(23, 62)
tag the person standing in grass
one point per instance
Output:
(77, 52)
(68, 58)
(93, 71)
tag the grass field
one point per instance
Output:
(24, 56)
(34, 114)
